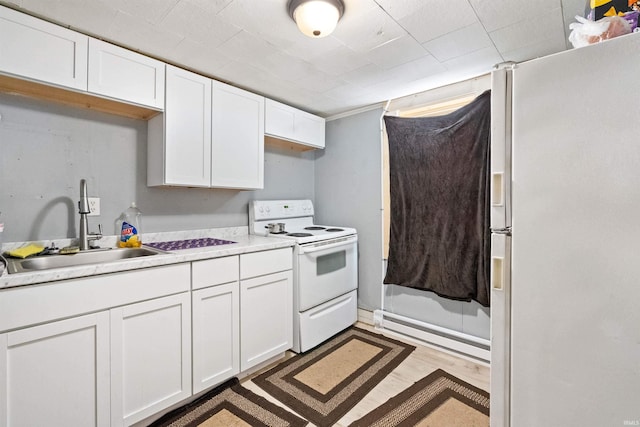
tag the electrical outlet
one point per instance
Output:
(94, 206)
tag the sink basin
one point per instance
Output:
(96, 256)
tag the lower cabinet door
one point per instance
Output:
(266, 319)
(216, 343)
(150, 357)
(56, 374)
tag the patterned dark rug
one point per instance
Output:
(323, 384)
(439, 399)
(230, 405)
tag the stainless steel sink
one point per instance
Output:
(97, 256)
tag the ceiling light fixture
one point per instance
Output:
(316, 18)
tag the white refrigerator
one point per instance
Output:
(565, 207)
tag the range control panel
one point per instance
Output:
(279, 209)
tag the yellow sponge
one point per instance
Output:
(26, 251)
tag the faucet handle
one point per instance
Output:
(95, 236)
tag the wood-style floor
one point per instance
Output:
(419, 364)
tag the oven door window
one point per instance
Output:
(329, 263)
(326, 273)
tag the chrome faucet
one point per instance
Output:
(83, 210)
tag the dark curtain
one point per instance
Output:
(439, 182)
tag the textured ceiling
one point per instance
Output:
(381, 49)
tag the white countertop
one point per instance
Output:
(245, 243)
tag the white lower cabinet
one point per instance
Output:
(150, 357)
(266, 307)
(216, 335)
(131, 357)
(266, 318)
(56, 374)
(215, 300)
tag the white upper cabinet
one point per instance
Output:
(237, 146)
(283, 121)
(196, 144)
(309, 129)
(179, 146)
(35, 49)
(279, 119)
(122, 74)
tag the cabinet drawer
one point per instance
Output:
(214, 272)
(28, 305)
(266, 262)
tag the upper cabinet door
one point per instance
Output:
(237, 149)
(187, 139)
(38, 50)
(125, 75)
(279, 119)
(310, 129)
(286, 122)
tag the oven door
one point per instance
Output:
(326, 270)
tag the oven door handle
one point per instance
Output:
(322, 247)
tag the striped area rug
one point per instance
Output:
(439, 399)
(230, 405)
(323, 384)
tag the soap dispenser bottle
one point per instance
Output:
(128, 227)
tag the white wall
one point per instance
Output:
(467, 317)
(347, 189)
(45, 149)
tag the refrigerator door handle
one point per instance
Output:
(506, 231)
(497, 267)
(497, 189)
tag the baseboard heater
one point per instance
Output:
(444, 338)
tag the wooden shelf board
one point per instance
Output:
(286, 144)
(32, 89)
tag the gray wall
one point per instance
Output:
(45, 149)
(348, 193)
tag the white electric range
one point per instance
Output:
(325, 268)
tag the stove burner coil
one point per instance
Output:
(315, 227)
(333, 230)
(300, 234)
